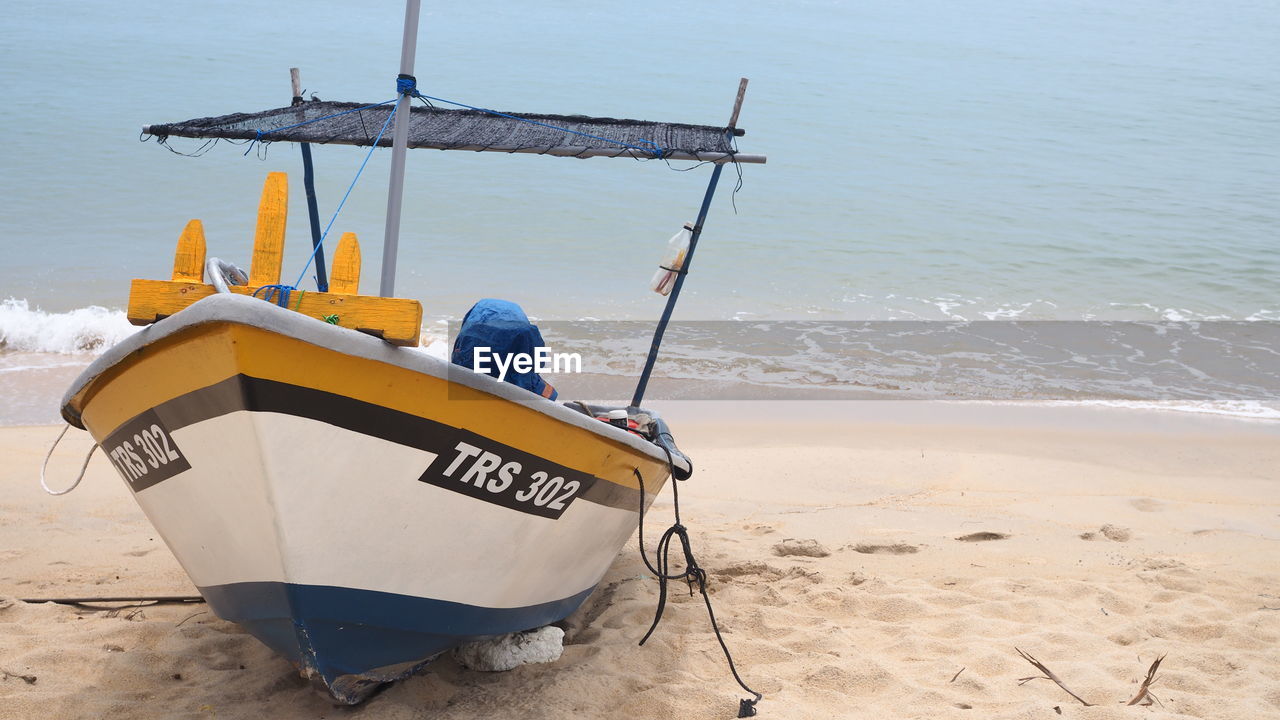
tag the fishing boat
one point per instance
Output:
(357, 505)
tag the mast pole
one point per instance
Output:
(309, 182)
(399, 143)
(643, 383)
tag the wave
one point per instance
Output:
(902, 307)
(91, 330)
(1222, 367)
(1226, 367)
(1239, 409)
(87, 330)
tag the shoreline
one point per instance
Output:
(1212, 367)
(32, 391)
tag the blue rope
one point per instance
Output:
(259, 135)
(281, 293)
(345, 195)
(407, 85)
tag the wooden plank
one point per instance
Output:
(188, 260)
(345, 277)
(268, 239)
(396, 320)
(737, 103)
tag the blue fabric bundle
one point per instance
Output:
(501, 326)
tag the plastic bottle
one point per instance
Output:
(672, 261)
(619, 418)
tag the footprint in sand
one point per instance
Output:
(801, 548)
(1115, 533)
(1147, 505)
(895, 549)
(983, 537)
(750, 568)
(139, 553)
(755, 570)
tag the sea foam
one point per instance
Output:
(84, 330)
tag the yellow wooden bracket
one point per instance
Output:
(188, 261)
(345, 277)
(268, 239)
(396, 320)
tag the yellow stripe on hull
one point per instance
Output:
(206, 354)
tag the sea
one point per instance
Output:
(1041, 202)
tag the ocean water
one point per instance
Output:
(1055, 161)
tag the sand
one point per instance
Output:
(867, 561)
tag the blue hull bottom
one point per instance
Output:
(354, 640)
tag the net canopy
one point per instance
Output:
(477, 130)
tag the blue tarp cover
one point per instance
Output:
(501, 326)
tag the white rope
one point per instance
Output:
(45, 465)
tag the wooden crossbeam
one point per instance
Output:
(396, 320)
(345, 277)
(268, 239)
(188, 260)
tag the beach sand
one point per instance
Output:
(1097, 540)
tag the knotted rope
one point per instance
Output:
(692, 573)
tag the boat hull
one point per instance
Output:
(351, 640)
(358, 508)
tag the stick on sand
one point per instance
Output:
(1048, 675)
(1144, 691)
